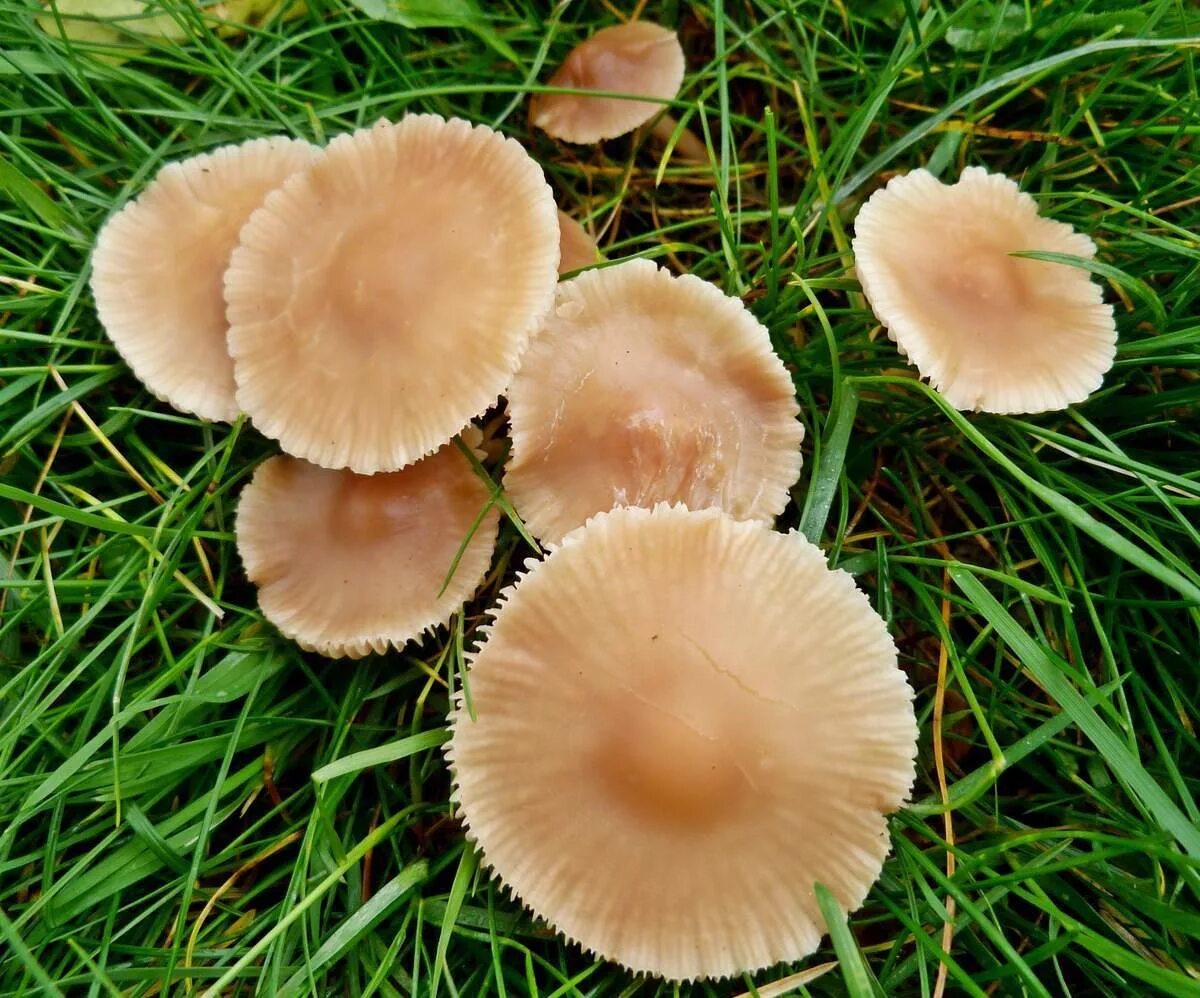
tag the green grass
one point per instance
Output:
(190, 802)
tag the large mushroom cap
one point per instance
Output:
(382, 297)
(634, 58)
(680, 723)
(158, 265)
(643, 387)
(347, 564)
(989, 330)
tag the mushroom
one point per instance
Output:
(635, 58)
(158, 263)
(990, 330)
(643, 387)
(348, 564)
(381, 298)
(677, 724)
(576, 248)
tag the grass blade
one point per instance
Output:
(1038, 661)
(831, 460)
(850, 958)
(402, 748)
(361, 921)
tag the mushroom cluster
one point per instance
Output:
(362, 303)
(680, 720)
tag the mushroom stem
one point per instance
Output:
(689, 146)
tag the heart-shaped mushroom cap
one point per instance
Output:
(990, 330)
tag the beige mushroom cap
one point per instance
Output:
(577, 249)
(158, 265)
(634, 58)
(348, 564)
(643, 387)
(382, 297)
(680, 722)
(989, 330)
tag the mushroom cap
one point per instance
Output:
(576, 248)
(348, 564)
(381, 298)
(989, 330)
(644, 387)
(680, 722)
(158, 265)
(634, 58)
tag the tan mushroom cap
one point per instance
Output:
(634, 58)
(348, 564)
(989, 330)
(643, 387)
(681, 722)
(576, 248)
(382, 297)
(158, 265)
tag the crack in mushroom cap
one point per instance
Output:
(158, 265)
(381, 298)
(678, 723)
(634, 58)
(644, 387)
(989, 330)
(348, 564)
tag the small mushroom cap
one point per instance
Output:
(643, 387)
(348, 564)
(576, 249)
(680, 722)
(989, 330)
(634, 58)
(158, 265)
(381, 298)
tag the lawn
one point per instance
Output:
(192, 804)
